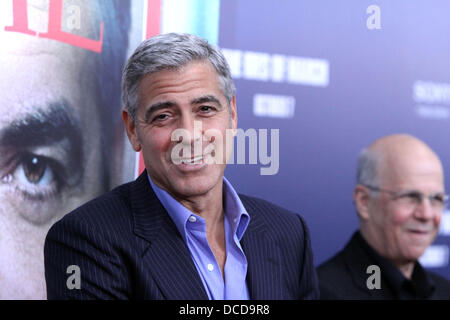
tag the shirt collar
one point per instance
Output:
(234, 210)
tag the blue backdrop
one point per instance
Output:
(370, 72)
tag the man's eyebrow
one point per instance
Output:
(207, 99)
(46, 126)
(170, 104)
(158, 106)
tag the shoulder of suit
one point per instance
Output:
(439, 280)
(332, 267)
(341, 264)
(111, 207)
(335, 279)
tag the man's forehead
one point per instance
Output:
(412, 172)
(24, 45)
(177, 71)
(194, 74)
(21, 108)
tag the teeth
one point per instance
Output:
(192, 161)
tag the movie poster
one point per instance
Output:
(62, 141)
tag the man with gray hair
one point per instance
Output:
(180, 231)
(399, 197)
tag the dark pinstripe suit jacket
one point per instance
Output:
(127, 247)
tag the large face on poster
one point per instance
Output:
(60, 133)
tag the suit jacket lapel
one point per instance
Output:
(264, 276)
(167, 257)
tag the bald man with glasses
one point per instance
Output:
(399, 197)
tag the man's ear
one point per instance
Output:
(361, 197)
(131, 129)
(234, 117)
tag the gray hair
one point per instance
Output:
(367, 168)
(171, 51)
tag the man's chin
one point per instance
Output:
(188, 191)
(194, 187)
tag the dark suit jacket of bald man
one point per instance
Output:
(344, 277)
(127, 247)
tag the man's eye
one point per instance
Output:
(161, 117)
(439, 199)
(206, 109)
(35, 170)
(413, 197)
(35, 177)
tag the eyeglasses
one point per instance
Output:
(412, 199)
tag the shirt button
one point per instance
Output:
(192, 219)
(210, 267)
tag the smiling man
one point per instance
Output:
(180, 231)
(399, 197)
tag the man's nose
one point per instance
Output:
(193, 128)
(425, 210)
